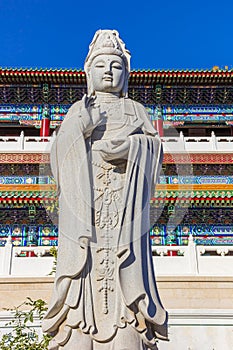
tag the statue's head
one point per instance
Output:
(107, 65)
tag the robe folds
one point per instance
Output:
(137, 302)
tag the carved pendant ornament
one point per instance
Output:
(107, 200)
(105, 160)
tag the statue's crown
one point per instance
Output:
(108, 39)
(107, 42)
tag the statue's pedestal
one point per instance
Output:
(200, 308)
(176, 292)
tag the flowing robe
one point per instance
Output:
(134, 300)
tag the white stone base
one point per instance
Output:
(199, 330)
(188, 329)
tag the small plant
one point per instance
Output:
(23, 336)
(53, 252)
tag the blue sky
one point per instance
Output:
(161, 34)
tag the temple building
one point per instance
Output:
(193, 112)
(191, 210)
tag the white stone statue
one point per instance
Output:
(105, 161)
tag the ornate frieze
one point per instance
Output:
(26, 180)
(169, 158)
(198, 158)
(24, 158)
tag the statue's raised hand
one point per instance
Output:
(91, 109)
(88, 101)
(90, 113)
(85, 115)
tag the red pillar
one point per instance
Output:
(45, 122)
(158, 125)
(45, 127)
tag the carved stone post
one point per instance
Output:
(7, 260)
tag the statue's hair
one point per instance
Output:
(107, 42)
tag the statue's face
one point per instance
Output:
(107, 73)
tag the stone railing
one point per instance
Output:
(25, 261)
(193, 260)
(168, 260)
(212, 143)
(176, 144)
(26, 143)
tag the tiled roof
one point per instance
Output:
(137, 77)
